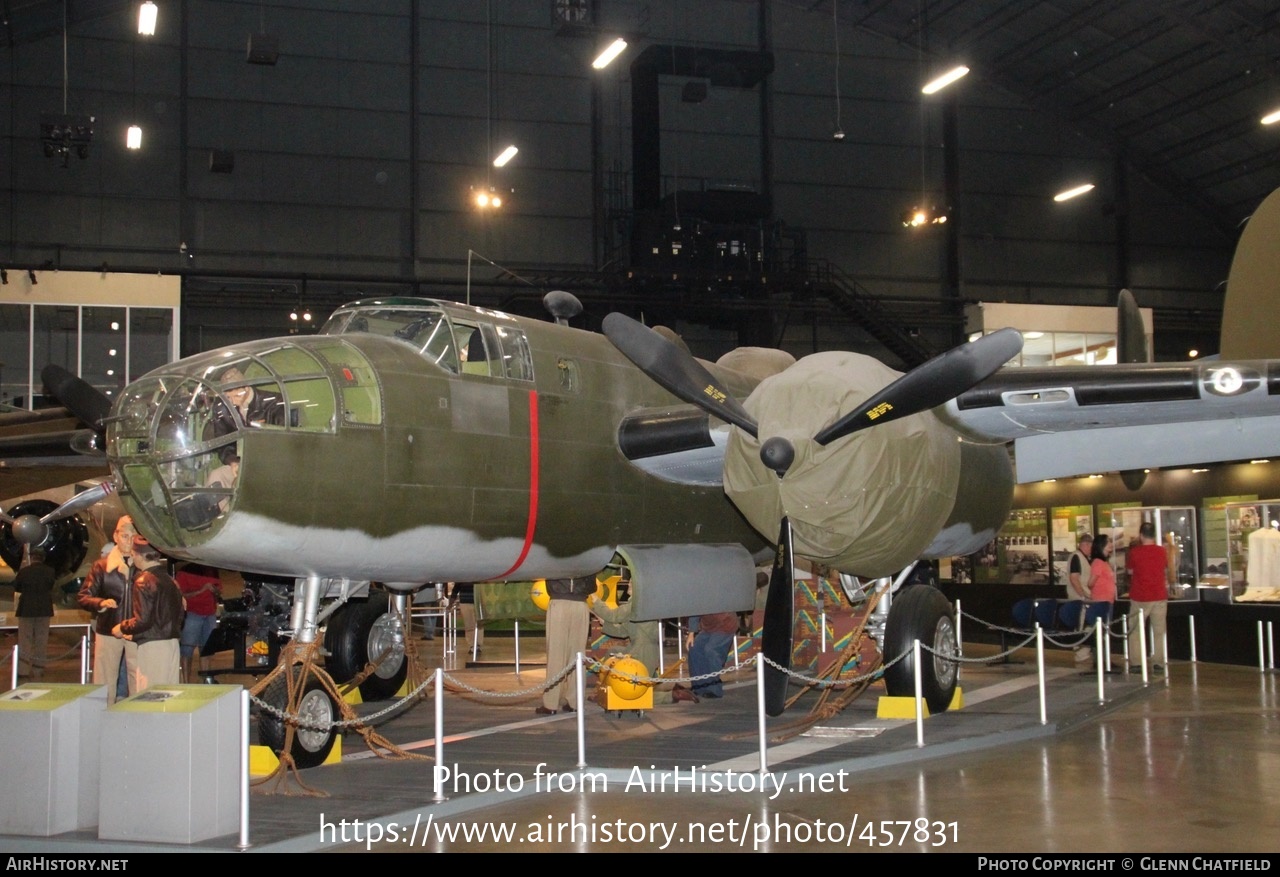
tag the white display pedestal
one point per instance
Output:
(171, 765)
(49, 759)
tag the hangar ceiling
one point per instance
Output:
(1179, 86)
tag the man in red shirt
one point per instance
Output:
(1149, 579)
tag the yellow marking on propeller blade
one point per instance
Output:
(715, 393)
(881, 409)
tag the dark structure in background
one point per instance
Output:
(334, 147)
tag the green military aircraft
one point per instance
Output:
(416, 441)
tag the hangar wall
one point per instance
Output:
(354, 154)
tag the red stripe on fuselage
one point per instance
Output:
(533, 485)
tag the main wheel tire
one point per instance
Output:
(920, 612)
(357, 634)
(310, 745)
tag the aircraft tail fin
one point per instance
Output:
(1131, 335)
(1248, 331)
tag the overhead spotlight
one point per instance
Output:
(487, 198)
(61, 135)
(941, 82)
(31, 275)
(1271, 118)
(918, 216)
(505, 156)
(612, 51)
(147, 14)
(1072, 193)
(838, 133)
(133, 139)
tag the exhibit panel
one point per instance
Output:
(1252, 561)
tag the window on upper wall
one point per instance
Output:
(107, 346)
(1066, 348)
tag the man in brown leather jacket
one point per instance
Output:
(156, 624)
(107, 595)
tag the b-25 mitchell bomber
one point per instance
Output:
(417, 441)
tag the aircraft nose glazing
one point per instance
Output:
(176, 456)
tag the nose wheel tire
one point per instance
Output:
(313, 739)
(361, 632)
(920, 612)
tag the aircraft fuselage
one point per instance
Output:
(403, 460)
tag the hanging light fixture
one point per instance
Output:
(133, 138)
(612, 51)
(147, 15)
(936, 85)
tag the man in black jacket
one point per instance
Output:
(34, 582)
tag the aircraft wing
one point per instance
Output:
(36, 451)
(1067, 421)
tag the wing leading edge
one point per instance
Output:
(1076, 421)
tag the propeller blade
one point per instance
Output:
(674, 370)
(937, 381)
(779, 623)
(81, 500)
(79, 396)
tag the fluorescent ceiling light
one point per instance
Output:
(147, 14)
(1271, 118)
(605, 58)
(505, 156)
(1071, 193)
(945, 79)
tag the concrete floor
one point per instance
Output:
(1185, 764)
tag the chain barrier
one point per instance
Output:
(599, 667)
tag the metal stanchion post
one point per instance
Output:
(959, 641)
(580, 671)
(1191, 622)
(1142, 644)
(437, 772)
(243, 843)
(760, 718)
(915, 657)
(1044, 713)
(517, 644)
(1098, 643)
(1262, 656)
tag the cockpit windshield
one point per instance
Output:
(479, 342)
(425, 329)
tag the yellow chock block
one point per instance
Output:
(262, 761)
(353, 697)
(957, 699)
(899, 708)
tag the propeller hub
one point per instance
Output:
(777, 454)
(28, 530)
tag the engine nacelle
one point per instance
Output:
(64, 544)
(871, 502)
